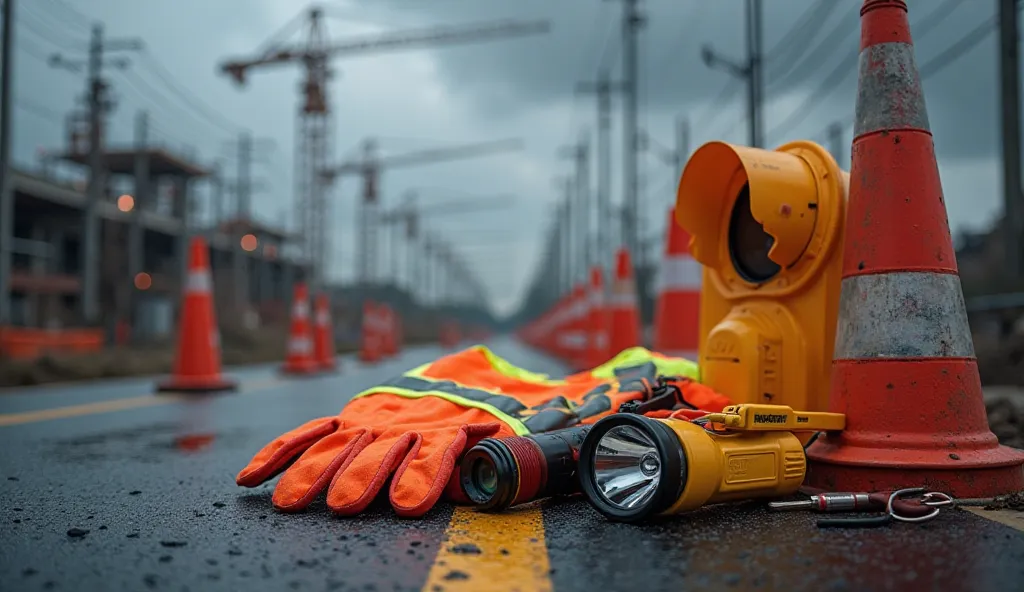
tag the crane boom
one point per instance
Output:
(443, 35)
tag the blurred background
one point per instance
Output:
(464, 161)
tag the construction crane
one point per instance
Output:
(370, 167)
(315, 144)
(409, 216)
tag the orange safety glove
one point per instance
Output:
(353, 454)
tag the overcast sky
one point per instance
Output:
(505, 88)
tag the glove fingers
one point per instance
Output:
(361, 479)
(274, 457)
(421, 479)
(301, 483)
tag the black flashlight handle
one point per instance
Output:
(561, 452)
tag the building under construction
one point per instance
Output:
(147, 213)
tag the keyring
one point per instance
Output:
(908, 491)
(944, 499)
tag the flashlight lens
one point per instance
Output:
(484, 476)
(632, 467)
(626, 467)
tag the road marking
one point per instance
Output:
(1012, 518)
(120, 404)
(86, 409)
(512, 553)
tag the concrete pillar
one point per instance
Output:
(183, 213)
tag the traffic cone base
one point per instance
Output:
(904, 369)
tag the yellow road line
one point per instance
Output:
(86, 409)
(1012, 518)
(152, 400)
(486, 552)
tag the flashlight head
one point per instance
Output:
(498, 473)
(632, 467)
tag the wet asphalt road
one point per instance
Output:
(139, 494)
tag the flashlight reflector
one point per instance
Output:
(631, 467)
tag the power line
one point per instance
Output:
(210, 114)
(34, 108)
(954, 51)
(821, 52)
(803, 31)
(45, 34)
(69, 14)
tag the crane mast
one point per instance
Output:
(314, 143)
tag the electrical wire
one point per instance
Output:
(69, 14)
(50, 19)
(46, 35)
(952, 53)
(188, 97)
(42, 111)
(845, 68)
(795, 41)
(817, 56)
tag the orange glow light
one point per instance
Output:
(125, 203)
(143, 281)
(249, 242)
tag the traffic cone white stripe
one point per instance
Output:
(679, 273)
(901, 315)
(300, 310)
(198, 282)
(572, 339)
(889, 95)
(300, 345)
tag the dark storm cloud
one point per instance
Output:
(808, 86)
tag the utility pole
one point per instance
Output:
(835, 140)
(243, 195)
(751, 71)
(682, 152)
(1013, 194)
(6, 183)
(136, 233)
(632, 22)
(580, 153)
(217, 194)
(603, 88)
(99, 105)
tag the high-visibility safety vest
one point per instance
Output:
(530, 402)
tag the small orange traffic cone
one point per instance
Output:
(597, 321)
(300, 356)
(197, 363)
(387, 327)
(904, 369)
(622, 306)
(677, 313)
(369, 343)
(323, 334)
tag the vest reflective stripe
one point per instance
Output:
(501, 406)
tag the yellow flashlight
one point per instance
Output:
(634, 467)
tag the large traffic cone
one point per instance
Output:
(300, 358)
(904, 369)
(597, 321)
(677, 312)
(622, 306)
(197, 363)
(369, 343)
(323, 334)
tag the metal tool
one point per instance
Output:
(832, 502)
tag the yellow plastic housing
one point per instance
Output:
(768, 342)
(737, 466)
